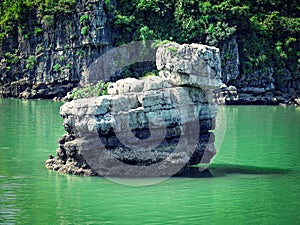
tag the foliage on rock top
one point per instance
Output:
(267, 32)
(257, 25)
(90, 90)
(16, 12)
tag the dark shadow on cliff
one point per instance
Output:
(219, 170)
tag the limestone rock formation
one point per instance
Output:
(261, 87)
(46, 55)
(51, 62)
(154, 127)
(230, 58)
(182, 64)
(256, 88)
(226, 95)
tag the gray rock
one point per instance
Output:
(230, 61)
(226, 95)
(60, 54)
(143, 128)
(193, 65)
(252, 90)
(283, 80)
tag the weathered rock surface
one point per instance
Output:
(182, 64)
(50, 63)
(258, 89)
(144, 128)
(230, 59)
(226, 95)
(264, 86)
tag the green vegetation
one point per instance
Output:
(85, 30)
(80, 52)
(127, 72)
(83, 18)
(267, 31)
(149, 74)
(16, 12)
(91, 90)
(26, 36)
(30, 62)
(48, 20)
(66, 47)
(56, 67)
(37, 30)
(52, 7)
(158, 43)
(11, 58)
(173, 50)
(39, 49)
(108, 6)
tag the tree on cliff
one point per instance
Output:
(267, 32)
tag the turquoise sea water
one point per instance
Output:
(256, 175)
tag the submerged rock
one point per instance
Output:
(155, 127)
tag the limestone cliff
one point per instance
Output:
(46, 55)
(158, 126)
(49, 59)
(261, 87)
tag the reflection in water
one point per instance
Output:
(227, 169)
(217, 170)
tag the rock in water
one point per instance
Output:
(155, 127)
(193, 65)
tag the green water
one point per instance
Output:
(247, 187)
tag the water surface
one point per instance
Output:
(256, 175)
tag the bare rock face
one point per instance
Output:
(156, 127)
(50, 63)
(230, 60)
(226, 95)
(256, 88)
(193, 65)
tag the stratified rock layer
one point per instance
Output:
(193, 65)
(145, 128)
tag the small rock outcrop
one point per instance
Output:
(226, 95)
(256, 88)
(154, 127)
(259, 88)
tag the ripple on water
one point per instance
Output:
(8, 207)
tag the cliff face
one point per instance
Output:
(155, 127)
(259, 87)
(46, 55)
(49, 59)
